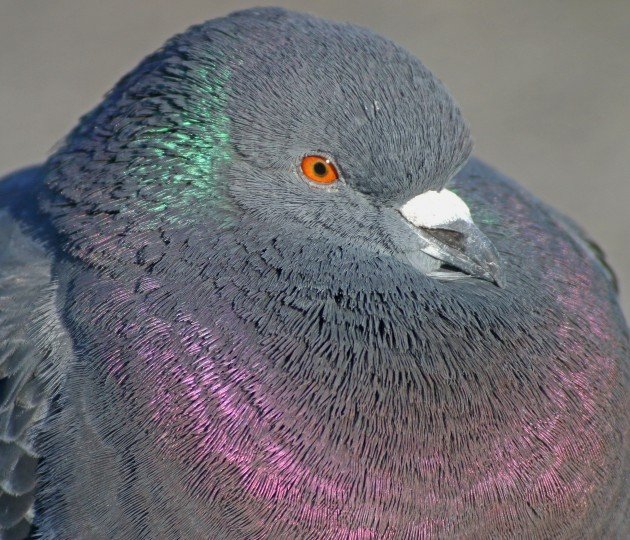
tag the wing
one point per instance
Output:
(31, 340)
(585, 243)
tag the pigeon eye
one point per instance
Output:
(319, 169)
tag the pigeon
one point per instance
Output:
(263, 291)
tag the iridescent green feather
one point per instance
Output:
(182, 158)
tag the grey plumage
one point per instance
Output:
(197, 341)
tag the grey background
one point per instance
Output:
(544, 84)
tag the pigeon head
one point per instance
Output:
(321, 131)
(309, 86)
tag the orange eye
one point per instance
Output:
(319, 169)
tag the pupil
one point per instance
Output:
(319, 168)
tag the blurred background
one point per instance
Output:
(545, 85)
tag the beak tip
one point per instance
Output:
(496, 275)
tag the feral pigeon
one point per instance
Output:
(262, 291)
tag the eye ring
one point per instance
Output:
(319, 169)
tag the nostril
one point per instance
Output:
(455, 239)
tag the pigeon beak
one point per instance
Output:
(447, 233)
